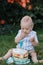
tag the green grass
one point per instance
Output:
(7, 42)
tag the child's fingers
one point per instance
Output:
(32, 38)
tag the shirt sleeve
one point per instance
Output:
(19, 32)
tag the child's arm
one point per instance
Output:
(34, 42)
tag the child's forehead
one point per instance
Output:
(26, 23)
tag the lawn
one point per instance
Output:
(7, 42)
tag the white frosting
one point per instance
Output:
(19, 51)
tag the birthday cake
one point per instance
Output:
(20, 56)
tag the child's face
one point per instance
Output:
(26, 27)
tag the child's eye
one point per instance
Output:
(26, 29)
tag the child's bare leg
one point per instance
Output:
(7, 55)
(34, 56)
(41, 61)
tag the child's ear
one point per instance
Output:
(32, 25)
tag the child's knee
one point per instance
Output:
(10, 50)
(33, 54)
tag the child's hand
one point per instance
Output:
(32, 39)
(23, 34)
(20, 37)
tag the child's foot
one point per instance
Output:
(41, 61)
(1, 58)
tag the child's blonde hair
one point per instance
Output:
(27, 19)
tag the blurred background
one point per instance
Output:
(11, 12)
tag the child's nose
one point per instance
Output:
(24, 30)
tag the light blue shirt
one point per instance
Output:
(26, 44)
